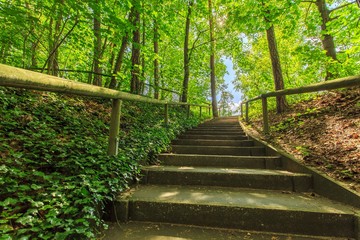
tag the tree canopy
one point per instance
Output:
(162, 48)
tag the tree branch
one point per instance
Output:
(342, 6)
(197, 39)
(307, 11)
(308, 1)
(58, 45)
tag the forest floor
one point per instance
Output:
(323, 133)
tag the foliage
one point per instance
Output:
(55, 173)
(297, 25)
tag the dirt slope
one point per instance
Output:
(323, 133)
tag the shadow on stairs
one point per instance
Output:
(218, 183)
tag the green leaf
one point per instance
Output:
(9, 201)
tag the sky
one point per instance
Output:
(229, 78)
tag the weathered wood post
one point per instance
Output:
(265, 115)
(200, 110)
(114, 127)
(247, 111)
(166, 114)
(188, 110)
(209, 110)
(241, 110)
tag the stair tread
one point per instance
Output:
(221, 170)
(238, 197)
(224, 147)
(214, 140)
(146, 230)
(219, 156)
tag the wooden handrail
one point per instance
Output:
(22, 78)
(323, 86)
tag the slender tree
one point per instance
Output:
(212, 62)
(156, 60)
(135, 55)
(276, 68)
(97, 44)
(327, 39)
(185, 89)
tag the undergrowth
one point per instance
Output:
(55, 175)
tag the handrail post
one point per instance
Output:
(188, 111)
(209, 111)
(241, 110)
(166, 114)
(265, 115)
(247, 111)
(200, 110)
(114, 127)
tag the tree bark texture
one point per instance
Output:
(97, 46)
(118, 63)
(54, 39)
(156, 61)
(135, 55)
(212, 62)
(327, 39)
(185, 88)
(143, 64)
(276, 68)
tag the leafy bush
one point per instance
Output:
(54, 172)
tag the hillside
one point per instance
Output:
(55, 173)
(323, 133)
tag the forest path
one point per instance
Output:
(217, 183)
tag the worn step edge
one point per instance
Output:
(219, 150)
(239, 204)
(283, 221)
(133, 230)
(204, 132)
(323, 185)
(213, 142)
(242, 178)
(261, 162)
(216, 137)
(218, 127)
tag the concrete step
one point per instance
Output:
(165, 231)
(205, 132)
(219, 128)
(227, 177)
(254, 162)
(216, 137)
(234, 208)
(219, 150)
(203, 142)
(214, 126)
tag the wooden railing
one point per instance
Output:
(328, 85)
(21, 78)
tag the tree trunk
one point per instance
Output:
(119, 61)
(327, 39)
(212, 62)
(143, 42)
(156, 61)
(135, 55)
(34, 46)
(51, 44)
(97, 46)
(276, 68)
(54, 39)
(185, 88)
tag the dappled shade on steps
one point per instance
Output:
(215, 176)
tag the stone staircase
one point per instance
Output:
(216, 178)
